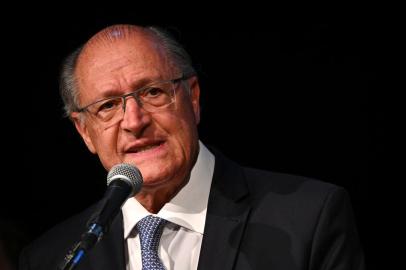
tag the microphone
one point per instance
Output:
(123, 181)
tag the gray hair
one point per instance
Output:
(68, 85)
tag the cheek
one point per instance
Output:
(182, 135)
(180, 127)
(105, 142)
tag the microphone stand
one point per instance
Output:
(123, 181)
(79, 249)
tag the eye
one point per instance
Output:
(109, 105)
(152, 92)
(155, 95)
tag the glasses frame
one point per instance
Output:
(133, 94)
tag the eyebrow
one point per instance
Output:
(134, 86)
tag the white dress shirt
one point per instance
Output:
(181, 240)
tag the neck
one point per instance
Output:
(153, 199)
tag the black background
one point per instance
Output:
(294, 95)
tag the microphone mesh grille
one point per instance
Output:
(129, 171)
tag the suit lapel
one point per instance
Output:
(109, 252)
(227, 214)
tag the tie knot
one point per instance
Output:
(150, 225)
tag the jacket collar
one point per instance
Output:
(227, 214)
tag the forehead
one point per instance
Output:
(138, 55)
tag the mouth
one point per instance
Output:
(145, 147)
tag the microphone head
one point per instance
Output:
(128, 173)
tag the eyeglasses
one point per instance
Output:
(153, 97)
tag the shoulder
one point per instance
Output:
(52, 246)
(275, 194)
(294, 196)
(283, 184)
(261, 182)
(289, 190)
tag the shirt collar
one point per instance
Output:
(189, 207)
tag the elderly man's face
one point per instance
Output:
(164, 144)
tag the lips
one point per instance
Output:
(143, 147)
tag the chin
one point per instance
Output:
(153, 178)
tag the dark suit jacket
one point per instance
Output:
(255, 220)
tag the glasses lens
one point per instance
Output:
(156, 97)
(151, 98)
(107, 110)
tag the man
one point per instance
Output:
(134, 98)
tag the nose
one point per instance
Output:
(135, 119)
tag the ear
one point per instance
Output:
(195, 97)
(82, 128)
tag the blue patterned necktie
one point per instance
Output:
(150, 230)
